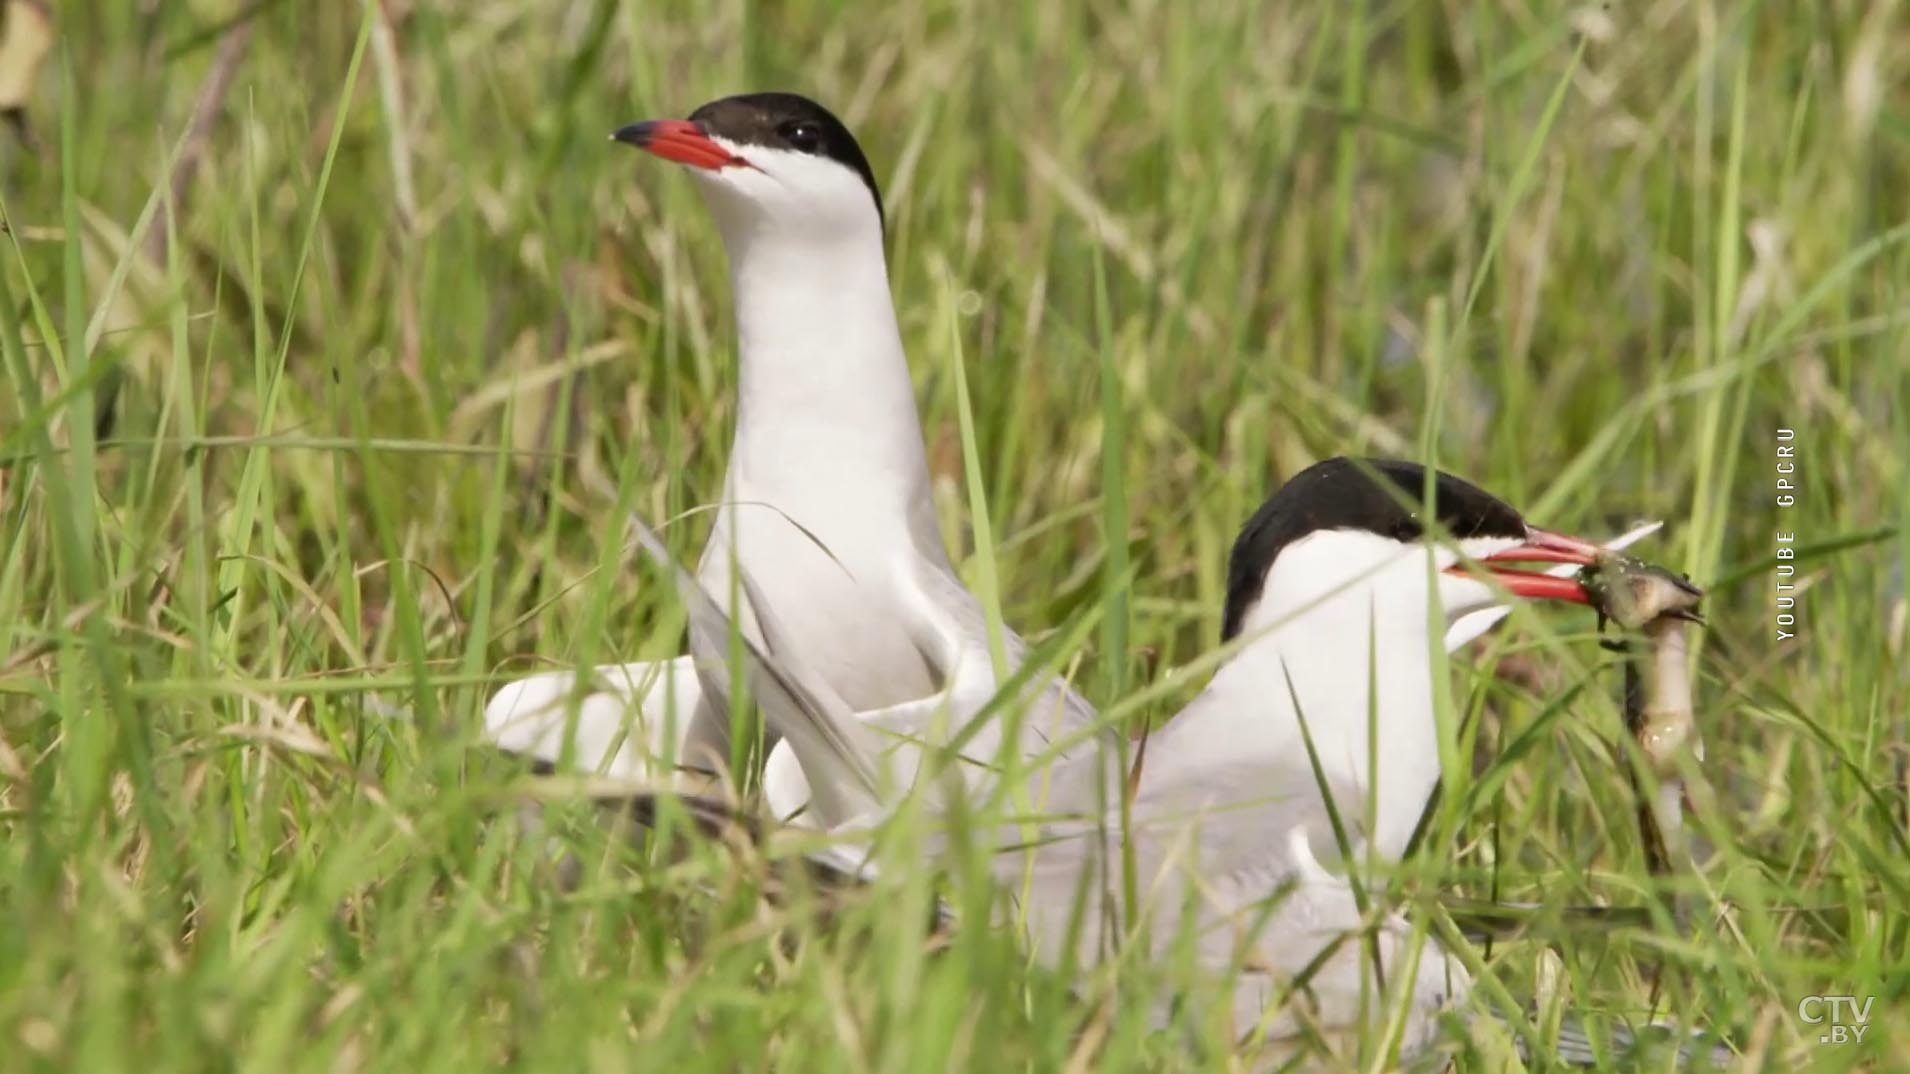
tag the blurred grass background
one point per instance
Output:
(314, 411)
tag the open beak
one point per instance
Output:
(1541, 546)
(681, 141)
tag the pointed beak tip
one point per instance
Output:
(633, 134)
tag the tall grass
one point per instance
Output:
(284, 497)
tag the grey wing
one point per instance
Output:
(1238, 865)
(1053, 724)
(837, 751)
(946, 624)
(710, 721)
(617, 720)
(949, 625)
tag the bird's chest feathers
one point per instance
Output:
(822, 562)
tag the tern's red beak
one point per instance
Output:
(681, 141)
(1541, 546)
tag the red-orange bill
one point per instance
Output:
(681, 141)
(1541, 546)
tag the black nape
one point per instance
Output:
(787, 121)
(1382, 496)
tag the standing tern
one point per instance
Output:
(826, 501)
(1333, 590)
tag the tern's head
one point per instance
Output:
(1352, 534)
(770, 162)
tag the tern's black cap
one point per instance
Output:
(787, 121)
(1383, 496)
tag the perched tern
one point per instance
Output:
(1277, 525)
(1335, 586)
(826, 501)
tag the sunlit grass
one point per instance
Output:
(284, 497)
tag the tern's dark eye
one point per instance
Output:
(802, 137)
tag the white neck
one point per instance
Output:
(1329, 637)
(825, 401)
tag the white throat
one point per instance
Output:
(826, 414)
(1342, 626)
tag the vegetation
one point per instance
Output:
(316, 413)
